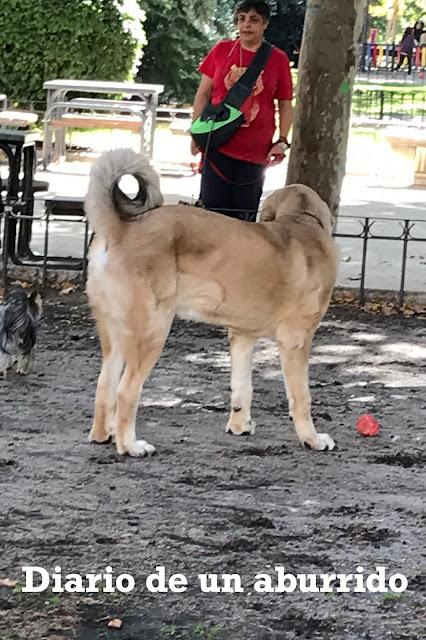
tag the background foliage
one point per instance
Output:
(45, 39)
(180, 33)
(286, 26)
(408, 12)
(103, 39)
(177, 34)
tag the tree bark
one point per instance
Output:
(393, 20)
(327, 67)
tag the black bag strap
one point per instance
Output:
(241, 90)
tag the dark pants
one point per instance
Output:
(232, 187)
(401, 62)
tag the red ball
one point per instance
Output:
(366, 425)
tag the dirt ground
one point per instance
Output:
(209, 502)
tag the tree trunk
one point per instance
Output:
(327, 67)
(393, 20)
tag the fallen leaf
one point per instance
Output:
(6, 582)
(65, 292)
(116, 623)
(23, 284)
(103, 619)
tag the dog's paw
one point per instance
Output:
(138, 449)
(238, 429)
(320, 442)
(22, 369)
(99, 436)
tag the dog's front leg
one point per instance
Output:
(139, 363)
(295, 364)
(241, 347)
(24, 363)
(128, 394)
(106, 391)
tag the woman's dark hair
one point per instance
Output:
(260, 6)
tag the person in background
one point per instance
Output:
(407, 45)
(418, 30)
(422, 44)
(232, 176)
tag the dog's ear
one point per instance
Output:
(269, 209)
(268, 214)
(36, 304)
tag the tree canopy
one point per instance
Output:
(177, 40)
(403, 13)
(45, 39)
(286, 26)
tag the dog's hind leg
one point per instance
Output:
(24, 363)
(241, 347)
(112, 367)
(142, 352)
(295, 364)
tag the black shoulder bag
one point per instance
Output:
(218, 123)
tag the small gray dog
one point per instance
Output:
(19, 316)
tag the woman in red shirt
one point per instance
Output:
(232, 176)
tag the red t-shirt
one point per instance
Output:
(225, 63)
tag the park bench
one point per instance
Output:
(84, 113)
(411, 144)
(14, 118)
(179, 119)
(92, 121)
(64, 112)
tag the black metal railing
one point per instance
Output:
(13, 220)
(387, 104)
(407, 233)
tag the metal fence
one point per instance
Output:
(389, 104)
(405, 232)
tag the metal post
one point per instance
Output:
(5, 245)
(382, 104)
(364, 236)
(86, 235)
(405, 239)
(46, 245)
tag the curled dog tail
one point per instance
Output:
(106, 204)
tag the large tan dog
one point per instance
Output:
(273, 279)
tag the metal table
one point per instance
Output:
(19, 148)
(58, 89)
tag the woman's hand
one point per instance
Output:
(275, 155)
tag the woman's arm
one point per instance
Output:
(202, 97)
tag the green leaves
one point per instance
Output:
(44, 39)
(177, 42)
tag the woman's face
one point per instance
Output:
(251, 26)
